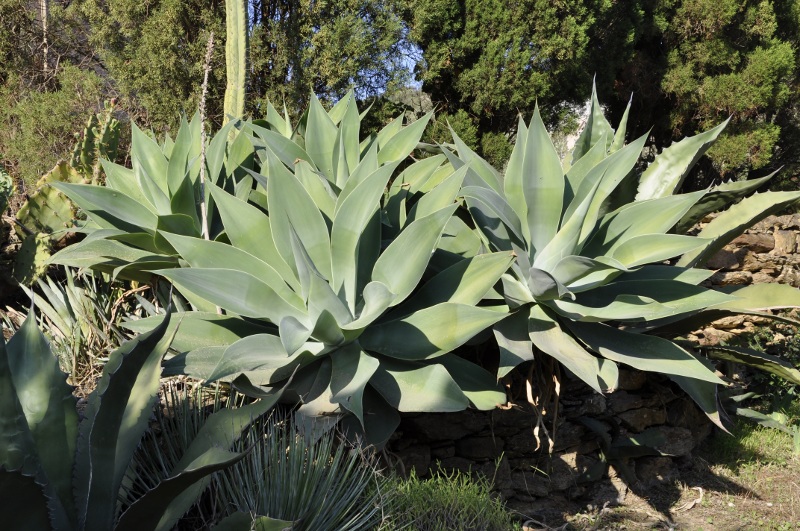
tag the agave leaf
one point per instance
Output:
(201, 254)
(571, 269)
(429, 332)
(704, 394)
(637, 219)
(761, 297)
(515, 345)
(348, 226)
(377, 299)
(232, 290)
(147, 511)
(547, 335)
(640, 351)
(110, 206)
(249, 229)
(179, 160)
(542, 187)
(123, 180)
(754, 358)
(183, 202)
(441, 196)
(293, 334)
(666, 173)
(493, 206)
(320, 137)
(731, 223)
(318, 187)
(247, 354)
(117, 418)
(654, 248)
(580, 169)
(401, 144)
(22, 493)
(596, 128)
(665, 272)
(380, 421)
(412, 249)
(389, 131)
(147, 158)
(717, 198)
(619, 136)
(350, 128)
(412, 387)
(465, 282)
(476, 383)
(514, 177)
(48, 405)
(352, 369)
(284, 148)
(291, 208)
(482, 168)
(545, 287)
(622, 308)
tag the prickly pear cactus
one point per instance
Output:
(99, 140)
(48, 210)
(6, 190)
(31, 260)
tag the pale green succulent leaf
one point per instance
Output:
(377, 299)
(653, 248)
(429, 332)
(320, 137)
(351, 128)
(760, 297)
(704, 394)
(291, 208)
(728, 225)
(348, 227)
(516, 293)
(668, 272)
(576, 173)
(482, 168)
(465, 282)
(323, 192)
(444, 194)
(201, 254)
(575, 269)
(352, 370)
(148, 159)
(641, 351)
(401, 144)
(545, 287)
(250, 230)
(542, 186)
(477, 384)
(293, 334)
(233, 290)
(547, 335)
(597, 128)
(244, 521)
(123, 180)
(619, 136)
(323, 298)
(622, 308)
(514, 177)
(111, 206)
(655, 216)
(411, 387)
(514, 342)
(719, 197)
(493, 215)
(401, 266)
(389, 131)
(284, 148)
(261, 351)
(666, 173)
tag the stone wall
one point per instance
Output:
(500, 445)
(766, 253)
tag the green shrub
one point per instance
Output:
(447, 501)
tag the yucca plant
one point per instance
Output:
(304, 266)
(59, 472)
(595, 281)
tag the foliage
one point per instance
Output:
(317, 484)
(589, 287)
(325, 285)
(100, 140)
(454, 501)
(43, 440)
(6, 191)
(707, 60)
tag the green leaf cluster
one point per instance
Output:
(359, 269)
(62, 473)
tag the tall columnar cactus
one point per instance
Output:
(235, 58)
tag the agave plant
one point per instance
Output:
(594, 282)
(305, 268)
(59, 472)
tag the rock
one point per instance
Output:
(640, 419)
(568, 435)
(724, 259)
(445, 426)
(498, 474)
(654, 470)
(479, 447)
(456, 463)
(623, 401)
(756, 242)
(762, 277)
(732, 278)
(785, 242)
(416, 458)
(532, 484)
(630, 380)
(441, 452)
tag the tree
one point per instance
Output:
(697, 62)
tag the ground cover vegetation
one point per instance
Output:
(342, 266)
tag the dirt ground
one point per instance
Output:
(747, 482)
